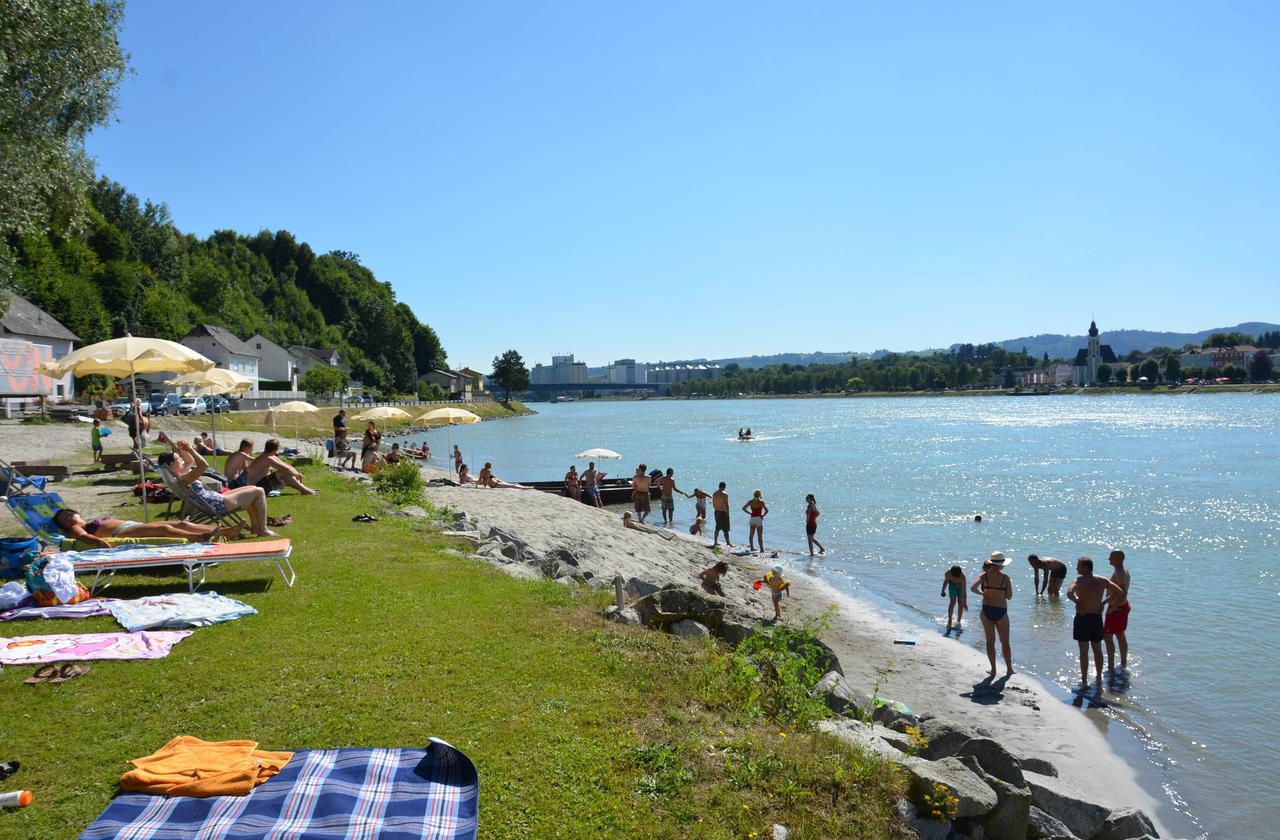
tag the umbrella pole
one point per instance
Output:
(142, 461)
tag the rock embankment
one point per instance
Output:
(998, 792)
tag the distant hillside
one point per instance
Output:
(1123, 341)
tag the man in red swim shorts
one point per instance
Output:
(1117, 618)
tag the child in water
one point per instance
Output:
(953, 584)
(777, 585)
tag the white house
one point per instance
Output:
(308, 357)
(29, 336)
(224, 349)
(275, 363)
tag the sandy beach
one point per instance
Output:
(936, 675)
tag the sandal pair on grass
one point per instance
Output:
(59, 673)
(364, 517)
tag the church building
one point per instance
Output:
(1085, 367)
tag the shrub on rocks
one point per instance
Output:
(774, 672)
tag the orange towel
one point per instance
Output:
(187, 766)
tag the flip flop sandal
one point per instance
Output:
(69, 671)
(363, 517)
(43, 674)
(278, 522)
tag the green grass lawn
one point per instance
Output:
(579, 728)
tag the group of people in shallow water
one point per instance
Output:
(1102, 606)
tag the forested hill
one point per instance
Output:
(133, 271)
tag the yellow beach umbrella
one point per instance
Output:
(214, 382)
(448, 417)
(382, 412)
(129, 356)
(293, 408)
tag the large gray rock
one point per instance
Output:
(995, 759)
(945, 737)
(840, 697)
(1127, 824)
(860, 735)
(888, 714)
(637, 588)
(520, 571)
(1039, 765)
(1009, 819)
(1041, 826)
(626, 615)
(930, 829)
(735, 628)
(898, 740)
(1068, 804)
(689, 629)
(976, 797)
(672, 604)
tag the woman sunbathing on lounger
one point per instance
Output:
(97, 531)
(251, 499)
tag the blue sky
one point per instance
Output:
(671, 180)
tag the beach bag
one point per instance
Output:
(12, 553)
(52, 581)
(155, 492)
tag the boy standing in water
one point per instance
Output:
(1087, 593)
(1117, 620)
(953, 584)
(720, 506)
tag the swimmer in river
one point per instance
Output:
(1055, 572)
(996, 589)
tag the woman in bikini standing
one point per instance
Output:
(996, 589)
(757, 510)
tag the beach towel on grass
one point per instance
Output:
(72, 647)
(389, 794)
(182, 609)
(84, 609)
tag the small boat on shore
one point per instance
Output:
(613, 491)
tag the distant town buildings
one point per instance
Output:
(224, 349)
(672, 374)
(1090, 358)
(627, 372)
(563, 370)
(28, 337)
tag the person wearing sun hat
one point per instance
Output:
(777, 586)
(996, 589)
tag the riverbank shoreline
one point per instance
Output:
(1073, 391)
(935, 676)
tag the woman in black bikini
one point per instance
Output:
(996, 589)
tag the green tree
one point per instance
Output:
(1172, 367)
(1261, 368)
(60, 66)
(1235, 373)
(1230, 339)
(510, 373)
(1104, 374)
(1120, 374)
(323, 379)
(1150, 369)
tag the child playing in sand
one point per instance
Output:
(711, 578)
(777, 585)
(698, 524)
(95, 440)
(953, 584)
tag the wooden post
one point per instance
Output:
(618, 593)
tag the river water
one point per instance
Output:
(1187, 485)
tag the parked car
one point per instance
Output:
(120, 407)
(367, 399)
(218, 405)
(165, 403)
(192, 405)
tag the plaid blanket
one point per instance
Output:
(389, 794)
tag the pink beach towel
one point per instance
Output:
(68, 647)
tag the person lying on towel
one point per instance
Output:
(96, 531)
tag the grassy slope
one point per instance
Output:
(321, 422)
(579, 728)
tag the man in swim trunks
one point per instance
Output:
(268, 471)
(1087, 593)
(1055, 572)
(1117, 620)
(591, 483)
(667, 484)
(236, 466)
(720, 505)
(640, 493)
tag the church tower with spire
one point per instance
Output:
(1091, 357)
(1094, 356)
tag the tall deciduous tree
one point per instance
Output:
(1104, 374)
(1150, 369)
(510, 373)
(324, 380)
(1260, 367)
(60, 66)
(1172, 367)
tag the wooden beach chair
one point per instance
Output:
(193, 508)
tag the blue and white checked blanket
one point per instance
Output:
(389, 794)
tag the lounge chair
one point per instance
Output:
(36, 512)
(191, 557)
(12, 479)
(193, 507)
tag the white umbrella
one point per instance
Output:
(382, 412)
(598, 453)
(295, 408)
(129, 356)
(214, 382)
